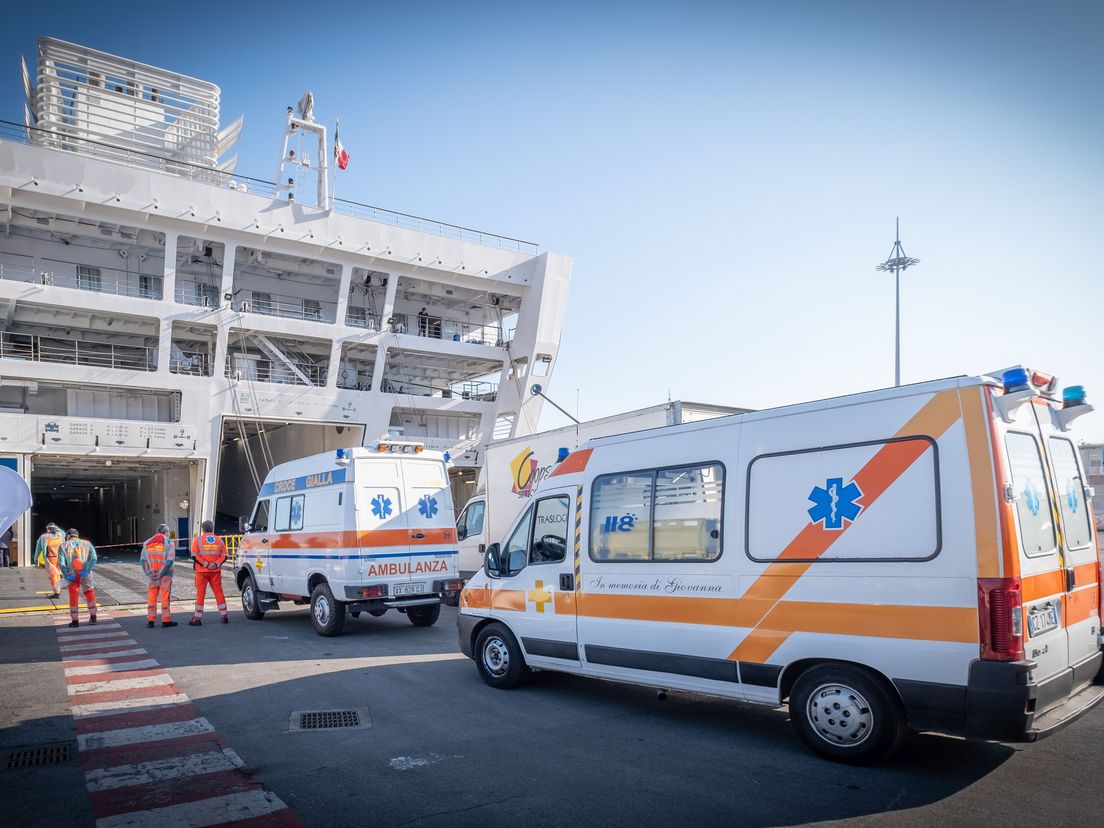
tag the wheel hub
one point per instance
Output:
(840, 715)
(496, 657)
(322, 610)
(248, 597)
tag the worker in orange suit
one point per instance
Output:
(158, 556)
(46, 554)
(76, 558)
(208, 556)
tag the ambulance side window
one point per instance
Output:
(259, 521)
(550, 530)
(470, 522)
(289, 513)
(519, 539)
(1033, 504)
(1071, 493)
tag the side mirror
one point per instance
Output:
(461, 531)
(491, 561)
(243, 525)
(516, 562)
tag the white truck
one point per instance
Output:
(355, 530)
(513, 468)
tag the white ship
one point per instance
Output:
(170, 329)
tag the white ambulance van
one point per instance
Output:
(355, 530)
(918, 557)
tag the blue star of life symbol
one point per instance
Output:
(835, 503)
(1071, 496)
(427, 506)
(381, 506)
(1032, 498)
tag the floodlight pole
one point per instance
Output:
(897, 262)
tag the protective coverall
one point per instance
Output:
(158, 556)
(208, 556)
(46, 554)
(76, 558)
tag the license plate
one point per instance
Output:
(409, 589)
(1041, 619)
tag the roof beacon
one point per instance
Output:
(1074, 404)
(1017, 390)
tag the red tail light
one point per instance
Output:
(1100, 592)
(377, 591)
(1000, 619)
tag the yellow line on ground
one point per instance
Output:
(31, 609)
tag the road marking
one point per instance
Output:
(126, 706)
(119, 684)
(145, 773)
(144, 733)
(141, 703)
(103, 655)
(93, 645)
(118, 667)
(217, 809)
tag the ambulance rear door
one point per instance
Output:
(382, 521)
(1077, 548)
(1040, 555)
(433, 551)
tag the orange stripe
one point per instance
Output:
(886, 466)
(574, 462)
(986, 535)
(364, 538)
(1081, 605)
(508, 599)
(1043, 585)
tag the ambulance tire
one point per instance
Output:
(251, 600)
(424, 616)
(845, 713)
(355, 614)
(327, 615)
(499, 658)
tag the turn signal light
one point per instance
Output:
(377, 591)
(452, 586)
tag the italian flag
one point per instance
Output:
(341, 155)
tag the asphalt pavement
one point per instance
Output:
(436, 746)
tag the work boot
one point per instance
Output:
(168, 623)
(226, 619)
(149, 624)
(195, 622)
(55, 594)
(74, 623)
(91, 619)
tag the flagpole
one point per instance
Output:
(333, 185)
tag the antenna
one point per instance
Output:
(895, 264)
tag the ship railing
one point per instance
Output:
(456, 445)
(289, 307)
(58, 139)
(16, 271)
(198, 294)
(193, 363)
(451, 330)
(475, 390)
(358, 317)
(96, 279)
(36, 348)
(259, 369)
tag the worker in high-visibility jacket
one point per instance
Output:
(208, 556)
(76, 558)
(158, 556)
(46, 554)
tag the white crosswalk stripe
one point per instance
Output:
(76, 639)
(109, 654)
(199, 814)
(81, 711)
(144, 733)
(120, 667)
(94, 645)
(108, 685)
(145, 773)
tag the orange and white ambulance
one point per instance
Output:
(355, 530)
(917, 557)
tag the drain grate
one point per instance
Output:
(36, 756)
(325, 719)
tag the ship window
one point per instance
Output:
(262, 302)
(88, 278)
(145, 287)
(312, 309)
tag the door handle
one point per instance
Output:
(264, 540)
(567, 582)
(1071, 579)
(418, 535)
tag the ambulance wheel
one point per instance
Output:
(499, 658)
(424, 616)
(327, 615)
(846, 714)
(251, 605)
(452, 598)
(355, 614)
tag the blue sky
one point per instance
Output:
(726, 175)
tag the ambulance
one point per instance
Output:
(351, 531)
(918, 557)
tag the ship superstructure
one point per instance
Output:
(170, 329)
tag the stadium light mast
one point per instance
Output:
(896, 263)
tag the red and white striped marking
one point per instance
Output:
(149, 757)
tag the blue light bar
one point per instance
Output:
(448, 456)
(1015, 379)
(341, 454)
(561, 455)
(1073, 395)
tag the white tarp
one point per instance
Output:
(15, 497)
